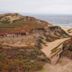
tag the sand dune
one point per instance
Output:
(64, 64)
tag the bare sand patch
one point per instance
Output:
(64, 65)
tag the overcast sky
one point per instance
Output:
(37, 6)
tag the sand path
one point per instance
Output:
(50, 45)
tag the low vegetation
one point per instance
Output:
(67, 49)
(21, 60)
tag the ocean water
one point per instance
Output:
(63, 20)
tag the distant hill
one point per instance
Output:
(13, 22)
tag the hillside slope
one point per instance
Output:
(10, 23)
(21, 41)
(55, 32)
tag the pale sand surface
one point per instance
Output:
(50, 45)
(64, 65)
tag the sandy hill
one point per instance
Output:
(10, 23)
(55, 32)
(21, 41)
